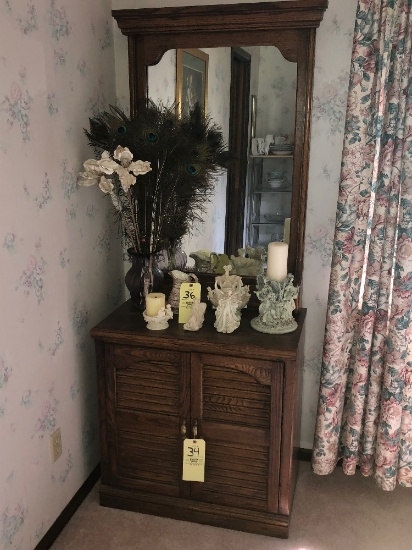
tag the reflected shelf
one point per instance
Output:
(264, 244)
(271, 156)
(270, 190)
(277, 221)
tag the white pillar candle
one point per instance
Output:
(154, 303)
(286, 231)
(277, 268)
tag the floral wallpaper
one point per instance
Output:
(60, 260)
(333, 54)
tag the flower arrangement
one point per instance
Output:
(158, 169)
(122, 171)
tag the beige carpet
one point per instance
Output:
(335, 512)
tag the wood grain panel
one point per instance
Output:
(128, 354)
(224, 401)
(149, 456)
(259, 370)
(147, 380)
(217, 514)
(227, 475)
(150, 393)
(235, 409)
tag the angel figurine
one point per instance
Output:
(227, 312)
(229, 296)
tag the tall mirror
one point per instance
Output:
(264, 190)
(261, 200)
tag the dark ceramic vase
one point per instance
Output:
(143, 277)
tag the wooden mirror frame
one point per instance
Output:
(290, 26)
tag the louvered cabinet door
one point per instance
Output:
(150, 399)
(238, 407)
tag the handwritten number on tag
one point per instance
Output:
(193, 450)
(188, 292)
(194, 454)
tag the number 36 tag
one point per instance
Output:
(194, 451)
(188, 292)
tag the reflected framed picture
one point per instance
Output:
(191, 80)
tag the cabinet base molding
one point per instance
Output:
(274, 525)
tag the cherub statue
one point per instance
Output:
(196, 315)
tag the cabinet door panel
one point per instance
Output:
(151, 397)
(238, 405)
(232, 478)
(143, 467)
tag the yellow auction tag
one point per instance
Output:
(194, 451)
(188, 292)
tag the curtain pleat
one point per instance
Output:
(365, 408)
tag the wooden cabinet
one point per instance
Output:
(242, 393)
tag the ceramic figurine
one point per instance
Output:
(260, 146)
(277, 305)
(268, 142)
(161, 321)
(227, 313)
(229, 296)
(246, 266)
(249, 262)
(196, 315)
(218, 262)
(226, 282)
(178, 277)
(202, 260)
(258, 253)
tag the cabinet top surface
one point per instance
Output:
(127, 326)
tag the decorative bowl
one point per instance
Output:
(281, 152)
(275, 174)
(275, 183)
(281, 149)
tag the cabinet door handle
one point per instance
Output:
(194, 428)
(183, 429)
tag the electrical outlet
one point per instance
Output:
(56, 448)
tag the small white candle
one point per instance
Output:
(277, 268)
(154, 303)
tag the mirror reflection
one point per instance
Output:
(264, 184)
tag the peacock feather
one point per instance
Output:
(186, 155)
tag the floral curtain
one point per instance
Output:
(365, 402)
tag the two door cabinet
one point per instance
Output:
(240, 392)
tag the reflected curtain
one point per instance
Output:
(365, 400)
